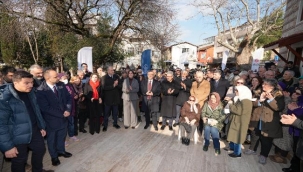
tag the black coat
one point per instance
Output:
(111, 94)
(52, 107)
(169, 100)
(222, 87)
(184, 93)
(299, 124)
(155, 99)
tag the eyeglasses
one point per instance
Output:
(298, 94)
(240, 83)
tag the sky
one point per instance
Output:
(193, 26)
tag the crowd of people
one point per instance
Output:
(255, 108)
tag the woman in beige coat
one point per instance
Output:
(240, 110)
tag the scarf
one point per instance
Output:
(78, 88)
(214, 105)
(193, 107)
(94, 86)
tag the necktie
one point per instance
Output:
(55, 90)
(149, 87)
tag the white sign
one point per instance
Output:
(224, 59)
(257, 57)
(85, 55)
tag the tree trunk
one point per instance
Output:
(244, 59)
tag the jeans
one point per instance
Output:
(70, 126)
(178, 110)
(235, 147)
(214, 132)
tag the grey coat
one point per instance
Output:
(130, 94)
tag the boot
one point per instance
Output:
(278, 158)
(183, 140)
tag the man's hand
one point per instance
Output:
(76, 97)
(11, 153)
(286, 94)
(288, 119)
(43, 132)
(130, 88)
(66, 114)
(169, 91)
(92, 99)
(115, 83)
(263, 97)
(100, 100)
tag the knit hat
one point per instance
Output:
(282, 85)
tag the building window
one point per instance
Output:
(220, 55)
(300, 12)
(130, 51)
(184, 50)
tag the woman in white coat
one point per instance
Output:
(130, 98)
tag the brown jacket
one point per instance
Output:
(202, 92)
(185, 112)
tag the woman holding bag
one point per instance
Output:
(213, 117)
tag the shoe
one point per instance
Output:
(55, 161)
(120, 119)
(228, 149)
(162, 127)
(217, 152)
(66, 144)
(146, 127)
(234, 155)
(250, 152)
(156, 128)
(262, 159)
(74, 138)
(277, 158)
(187, 141)
(175, 124)
(288, 169)
(126, 127)
(205, 148)
(117, 126)
(65, 154)
(133, 127)
(104, 129)
(171, 128)
(83, 131)
(43, 170)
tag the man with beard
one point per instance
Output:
(183, 96)
(37, 73)
(8, 72)
(170, 90)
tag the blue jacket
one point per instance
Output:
(52, 106)
(15, 122)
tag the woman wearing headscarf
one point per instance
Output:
(213, 117)
(269, 126)
(130, 89)
(92, 92)
(189, 120)
(240, 113)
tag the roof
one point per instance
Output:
(285, 41)
(205, 46)
(183, 43)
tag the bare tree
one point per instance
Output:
(255, 17)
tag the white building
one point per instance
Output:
(134, 47)
(184, 52)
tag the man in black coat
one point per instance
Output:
(219, 84)
(55, 104)
(151, 90)
(111, 97)
(183, 96)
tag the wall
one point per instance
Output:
(178, 57)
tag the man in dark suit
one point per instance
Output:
(111, 96)
(55, 104)
(151, 90)
(184, 93)
(219, 84)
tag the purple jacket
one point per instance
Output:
(299, 114)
